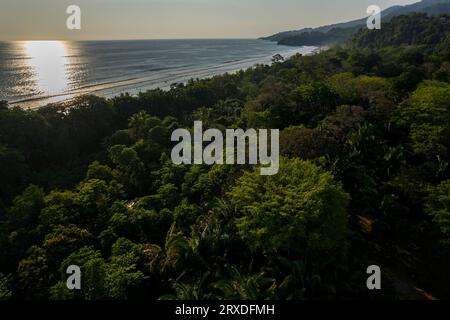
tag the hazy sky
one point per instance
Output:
(148, 19)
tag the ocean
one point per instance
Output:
(35, 73)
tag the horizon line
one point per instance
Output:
(136, 39)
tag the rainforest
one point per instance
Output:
(364, 179)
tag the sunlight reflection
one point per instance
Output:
(48, 59)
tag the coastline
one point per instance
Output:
(136, 85)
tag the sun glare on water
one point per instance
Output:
(48, 61)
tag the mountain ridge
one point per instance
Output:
(343, 30)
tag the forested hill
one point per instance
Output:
(413, 29)
(364, 180)
(341, 32)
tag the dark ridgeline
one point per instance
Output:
(339, 33)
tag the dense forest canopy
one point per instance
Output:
(364, 179)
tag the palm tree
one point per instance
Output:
(138, 123)
(184, 291)
(246, 286)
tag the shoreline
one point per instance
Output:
(163, 81)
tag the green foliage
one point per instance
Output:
(93, 270)
(130, 170)
(134, 222)
(102, 280)
(312, 101)
(245, 287)
(438, 206)
(306, 143)
(427, 116)
(343, 84)
(301, 210)
(122, 275)
(5, 293)
(33, 275)
(63, 240)
(416, 28)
